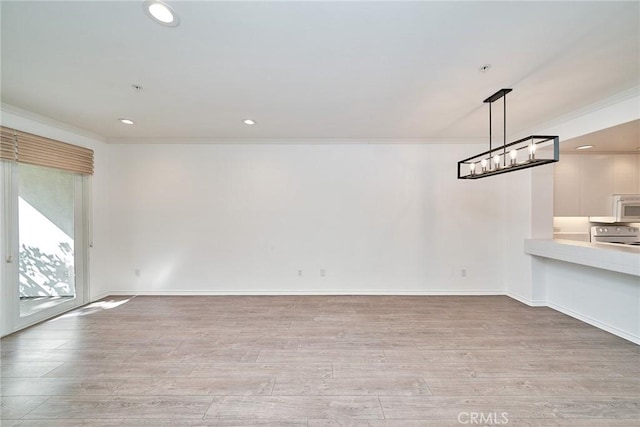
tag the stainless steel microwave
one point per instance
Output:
(626, 207)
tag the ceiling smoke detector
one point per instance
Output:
(161, 13)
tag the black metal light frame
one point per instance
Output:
(529, 144)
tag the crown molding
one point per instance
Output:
(10, 109)
(297, 141)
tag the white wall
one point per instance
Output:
(246, 218)
(517, 215)
(388, 218)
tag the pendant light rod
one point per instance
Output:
(490, 128)
(504, 133)
(502, 93)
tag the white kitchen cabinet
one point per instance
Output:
(626, 174)
(596, 185)
(566, 200)
(584, 184)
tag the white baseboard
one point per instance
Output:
(527, 301)
(598, 324)
(432, 292)
(99, 297)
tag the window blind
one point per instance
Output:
(25, 147)
(8, 144)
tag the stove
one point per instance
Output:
(618, 234)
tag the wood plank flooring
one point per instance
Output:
(317, 361)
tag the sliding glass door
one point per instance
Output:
(45, 223)
(46, 238)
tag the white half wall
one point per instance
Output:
(605, 299)
(303, 219)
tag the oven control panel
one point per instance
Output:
(613, 230)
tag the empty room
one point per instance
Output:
(319, 213)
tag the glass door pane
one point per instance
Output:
(46, 200)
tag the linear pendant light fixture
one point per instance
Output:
(534, 150)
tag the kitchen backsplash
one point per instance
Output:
(572, 228)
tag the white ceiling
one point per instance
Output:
(314, 70)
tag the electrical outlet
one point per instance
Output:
(323, 273)
(137, 272)
(299, 273)
(463, 272)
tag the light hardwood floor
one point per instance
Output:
(318, 361)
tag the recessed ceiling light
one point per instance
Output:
(584, 147)
(248, 122)
(126, 121)
(161, 13)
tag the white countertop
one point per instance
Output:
(618, 258)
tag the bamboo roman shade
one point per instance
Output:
(25, 147)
